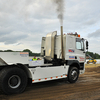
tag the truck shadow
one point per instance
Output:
(46, 84)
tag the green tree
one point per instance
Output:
(8, 51)
(93, 55)
(30, 52)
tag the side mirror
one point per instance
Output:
(87, 45)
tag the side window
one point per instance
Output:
(79, 44)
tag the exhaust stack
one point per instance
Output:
(62, 50)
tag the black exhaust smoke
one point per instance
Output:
(60, 9)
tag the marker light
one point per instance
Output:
(78, 35)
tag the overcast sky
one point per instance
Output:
(23, 23)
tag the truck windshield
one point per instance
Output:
(80, 44)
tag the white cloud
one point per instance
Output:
(95, 34)
(23, 23)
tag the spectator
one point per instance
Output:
(34, 58)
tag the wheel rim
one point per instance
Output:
(14, 81)
(74, 74)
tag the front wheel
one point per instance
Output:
(73, 75)
(13, 80)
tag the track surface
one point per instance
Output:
(86, 88)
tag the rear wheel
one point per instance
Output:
(73, 75)
(12, 80)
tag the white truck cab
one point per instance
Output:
(16, 69)
(74, 49)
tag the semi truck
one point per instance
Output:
(62, 58)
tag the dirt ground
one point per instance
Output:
(86, 88)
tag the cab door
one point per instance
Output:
(80, 50)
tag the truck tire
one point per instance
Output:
(73, 74)
(12, 80)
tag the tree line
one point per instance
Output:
(93, 55)
(25, 50)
